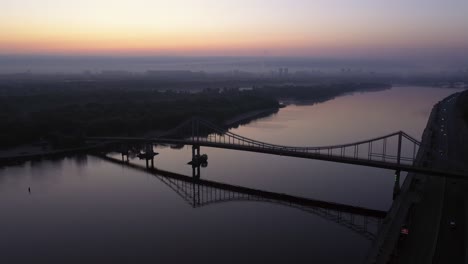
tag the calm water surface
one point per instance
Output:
(86, 209)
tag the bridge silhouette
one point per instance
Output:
(199, 193)
(396, 151)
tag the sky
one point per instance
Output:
(315, 28)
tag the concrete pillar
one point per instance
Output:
(195, 151)
(396, 186)
(196, 172)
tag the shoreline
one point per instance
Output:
(249, 116)
(31, 152)
(22, 157)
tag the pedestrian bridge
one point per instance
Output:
(396, 151)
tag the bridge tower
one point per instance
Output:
(400, 140)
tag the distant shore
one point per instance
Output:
(13, 156)
(249, 116)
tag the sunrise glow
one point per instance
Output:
(208, 27)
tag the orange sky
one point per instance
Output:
(208, 27)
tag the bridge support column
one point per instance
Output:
(149, 162)
(196, 172)
(197, 161)
(396, 186)
(148, 155)
(195, 151)
(124, 150)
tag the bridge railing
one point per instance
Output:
(397, 147)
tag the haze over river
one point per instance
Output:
(86, 209)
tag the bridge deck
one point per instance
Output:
(298, 154)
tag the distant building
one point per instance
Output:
(283, 72)
(241, 89)
(115, 73)
(174, 74)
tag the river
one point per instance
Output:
(88, 210)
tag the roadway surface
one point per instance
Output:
(432, 239)
(451, 244)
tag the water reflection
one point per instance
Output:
(105, 213)
(199, 193)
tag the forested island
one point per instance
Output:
(64, 117)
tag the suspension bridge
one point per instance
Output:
(199, 193)
(396, 151)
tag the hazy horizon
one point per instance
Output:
(47, 64)
(361, 29)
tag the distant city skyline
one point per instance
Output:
(340, 29)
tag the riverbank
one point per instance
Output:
(33, 152)
(250, 116)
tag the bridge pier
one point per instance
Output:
(197, 161)
(148, 155)
(125, 157)
(195, 151)
(396, 186)
(196, 171)
(125, 153)
(148, 163)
